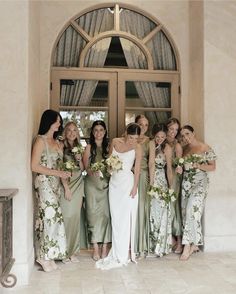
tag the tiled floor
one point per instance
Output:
(204, 273)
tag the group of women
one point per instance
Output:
(121, 218)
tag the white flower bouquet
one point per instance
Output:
(178, 161)
(167, 195)
(191, 159)
(79, 149)
(67, 165)
(114, 163)
(98, 167)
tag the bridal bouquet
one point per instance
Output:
(178, 161)
(114, 163)
(98, 167)
(167, 195)
(191, 159)
(79, 149)
(68, 165)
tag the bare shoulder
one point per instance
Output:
(39, 141)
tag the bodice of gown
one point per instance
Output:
(127, 159)
(98, 156)
(160, 176)
(50, 157)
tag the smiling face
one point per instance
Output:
(99, 132)
(160, 137)
(187, 136)
(173, 130)
(71, 132)
(143, 123)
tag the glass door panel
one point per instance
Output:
(153, 95)
(85, 100)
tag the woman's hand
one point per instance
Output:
(63, 174)
(133, 192)
(68, 194)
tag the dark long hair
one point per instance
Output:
(160, 128)
(93, 143)
(48, 118)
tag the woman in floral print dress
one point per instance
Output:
(50, 239)
(199, 159)
(160, 158)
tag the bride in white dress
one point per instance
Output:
(123, 199)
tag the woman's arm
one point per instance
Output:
(137, 167)
(210, 166)
(151, 161)
(168, 155)
(112, 146)
(178, 150)
(36, 167)
(86, 160)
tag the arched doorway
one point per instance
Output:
(113, 62)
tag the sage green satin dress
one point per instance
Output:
(142, 224)
(71, 210)
(97, 206)
(176, 219)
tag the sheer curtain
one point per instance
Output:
(69, 49)
(163, 58)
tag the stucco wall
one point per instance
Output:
(219, 121)
(24, 81)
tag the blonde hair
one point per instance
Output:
(76, 142)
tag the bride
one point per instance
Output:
(123, 198)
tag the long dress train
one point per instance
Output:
(123, 210)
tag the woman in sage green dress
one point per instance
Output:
(50, 238)
(74, 191)
(96, 191)
(199, 159)
(142, 225)
(173, 127)
(160, 170)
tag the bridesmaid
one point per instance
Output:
(142, 227)
(173, 127)
(96, 191)
(160, 158)
(74, 193)
(50, 235)
(194, 189)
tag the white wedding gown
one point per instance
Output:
(123, 210)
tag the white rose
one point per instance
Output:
(75, 150)
(172, 198)
(181, 160)
(49, 212)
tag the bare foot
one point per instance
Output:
(104, 250)
(186, 253)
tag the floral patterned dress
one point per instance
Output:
(160, 213)
(194, 191)
(50, 238)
